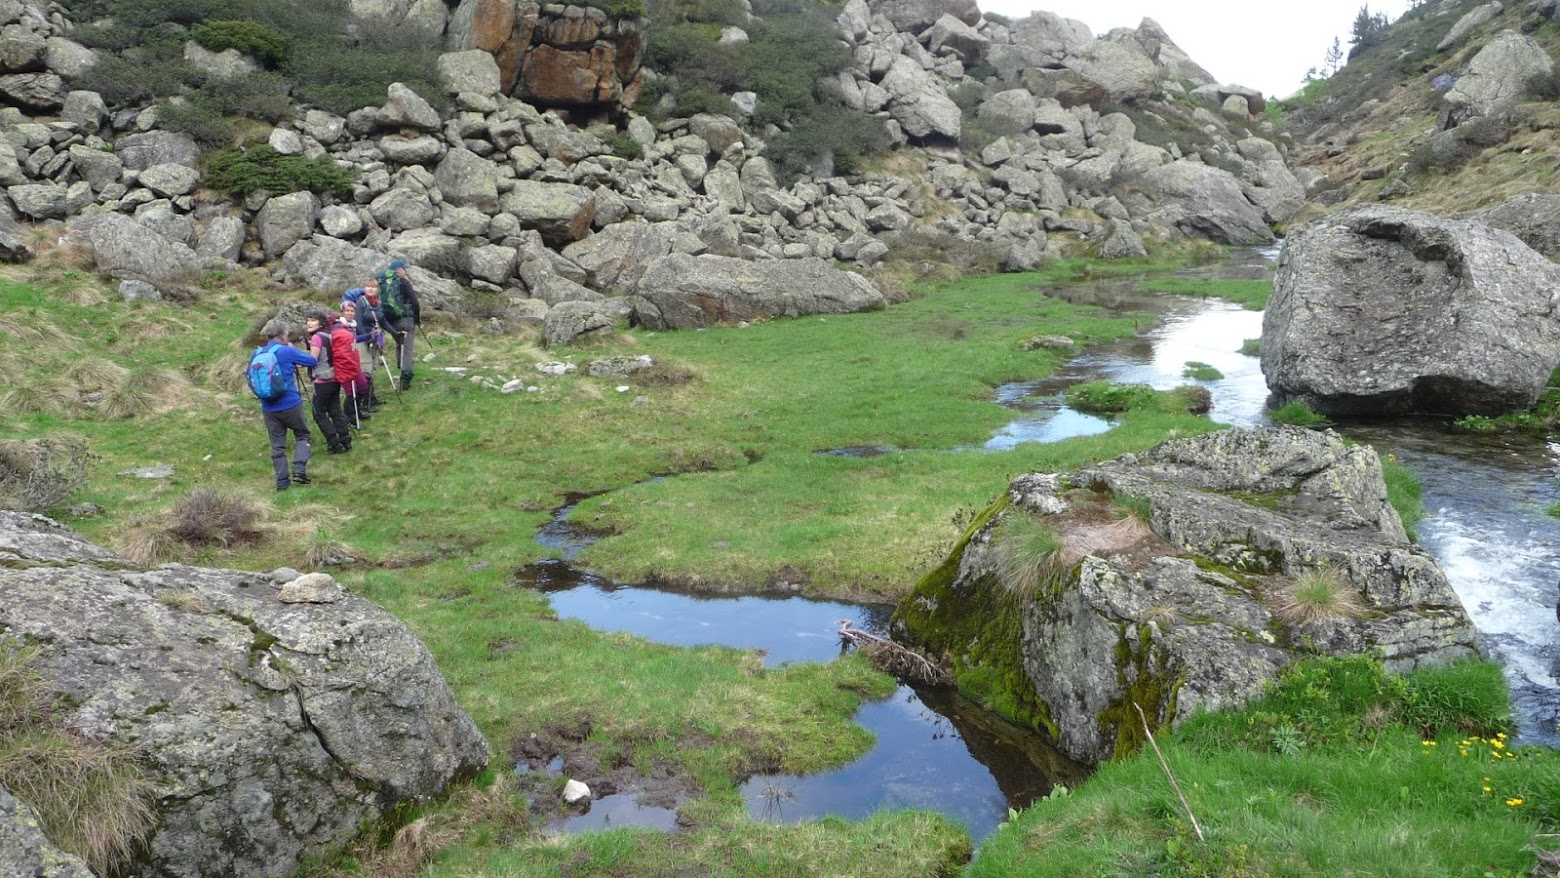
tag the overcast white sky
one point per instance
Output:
(1264, 44)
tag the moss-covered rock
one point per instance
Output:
(1187, 597)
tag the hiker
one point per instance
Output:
(360, 311)
(403, 314)
(271, 369)
(349, 371)
(328, 413)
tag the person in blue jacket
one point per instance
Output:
(286, 411)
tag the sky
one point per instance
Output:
(1263, 44)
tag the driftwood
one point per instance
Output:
(901, 661)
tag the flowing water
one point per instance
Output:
(1486, 526)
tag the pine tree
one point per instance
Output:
(1334, 58)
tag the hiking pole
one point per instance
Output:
(394, 385)
(356, 422)
(301, 379)
(427, 342)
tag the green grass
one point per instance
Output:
(1199, 371)
(1404, 493)
(1249, 294)
(1251, 347)
(1358, 792)
(709, 474)
(1297, 413)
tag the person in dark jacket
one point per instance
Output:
(286, 411)
(403, 314)
(328, 414)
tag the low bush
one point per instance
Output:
(263, 43)
(42, 474)
(260, 168)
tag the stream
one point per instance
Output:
(1486, 526)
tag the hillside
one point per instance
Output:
(1378, 130)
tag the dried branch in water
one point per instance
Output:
(901, 661)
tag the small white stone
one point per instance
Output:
(622, 388)
(514, 386)
(574, 791)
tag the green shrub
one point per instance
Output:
(197, 117)
(261, 168)
(122, 81)
(261, 42)
(623, 147)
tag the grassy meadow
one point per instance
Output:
(704, 471)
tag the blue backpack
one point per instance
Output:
(266, 379)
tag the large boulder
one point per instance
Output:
(679, 291)
(914, 16)
(1121, 69)
(1534, 217)
(123, 247)
(1049, 35)
(616, 257)
(1475, 18)
(275, 720)
(285, 220)
(1204, 201)
(1380, 310)
(331, 265)
(919, 103)
(561, 212)
(141, 151)
(1192, 606)
(1496, 79)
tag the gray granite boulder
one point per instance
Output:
(1379, 310)
(918, 101)
(141, 151)
(1189, 607)
(123, 247)
(561, 212)
(914, 16)
(680, 291)
(1496, 79)
(567, 322)
(25, 852)
(271, 730)
(285, 220)
(1533, 217)
(1204, 201)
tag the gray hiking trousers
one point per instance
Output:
(276, 426)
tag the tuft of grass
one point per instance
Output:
(1130, 506)
(1199, 371)
(1105, 397)
(1251, 347)
(1029, 554)
(1318, 595)
(39, 395)
(1404, 493)
(212, 517)
(91, 799)
(1296, 413)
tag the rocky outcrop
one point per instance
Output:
(1384, 311)
(679, 291)
(1191, 605)
(273, 719)
(1205, 201)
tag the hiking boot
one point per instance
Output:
(302, 479)
(335, 449)
(282, 486)
(406, 380)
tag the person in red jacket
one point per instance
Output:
(349, 368)
(327, 392)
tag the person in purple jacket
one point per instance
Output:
(286, 411)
